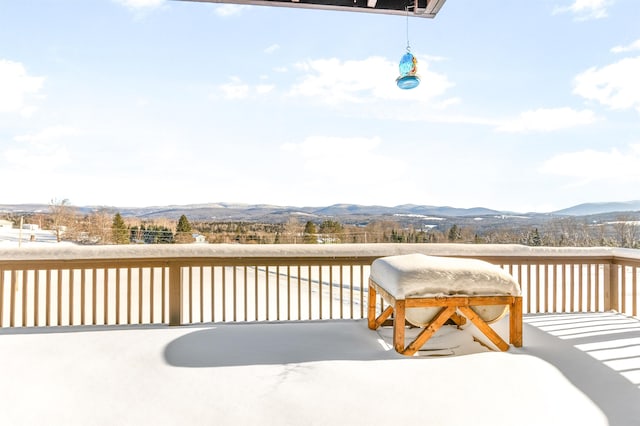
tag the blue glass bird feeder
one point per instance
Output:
(408, 78)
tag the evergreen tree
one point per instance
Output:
(535, 238)
(331, 230)
(183, 231)
(155, 234)
(331, 227)
(183, 224)
(310, 232)
(454, 233)
(119, 230)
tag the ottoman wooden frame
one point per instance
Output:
(450, 305)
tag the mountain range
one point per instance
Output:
(600, 208)
(348, 213)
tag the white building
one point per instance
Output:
(199, 238)
(6, 224)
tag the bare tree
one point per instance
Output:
(99, 227)
(380, 231)
(626, 232)
(62, 216)
(293, 230)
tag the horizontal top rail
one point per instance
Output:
(284, 252)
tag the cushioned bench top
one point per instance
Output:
(419, 275)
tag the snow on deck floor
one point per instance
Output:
(298, 373)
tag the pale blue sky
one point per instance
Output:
(523, 106)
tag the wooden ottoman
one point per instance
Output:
(428, 290)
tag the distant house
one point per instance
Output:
(30, 226)
(199, 238)
(6, 224)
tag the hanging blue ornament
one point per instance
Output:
(408, 78)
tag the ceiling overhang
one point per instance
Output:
(419, 8)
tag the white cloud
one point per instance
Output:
(141, 4)
(336, 159)
(325, 147)
(272, 48)
(49, 158)
(334, 81)
(50, 134)
(586, 9)
(448, 102)
(262, 89)
(590, 165)
(454, 119)
(547, 120)
(16, 86)
(616, 85)
(44, 151)
(331, 169)
(230, 9)
(237, 89)
(628, 48)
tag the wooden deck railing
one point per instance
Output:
(186, 284)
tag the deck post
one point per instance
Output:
(611, 287)
(175, 294)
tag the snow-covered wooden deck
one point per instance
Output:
(573, 369)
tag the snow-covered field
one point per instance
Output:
(28, 238)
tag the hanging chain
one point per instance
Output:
(408, 46)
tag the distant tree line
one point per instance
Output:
(561, 232)
(104, 227)
(568, 232)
